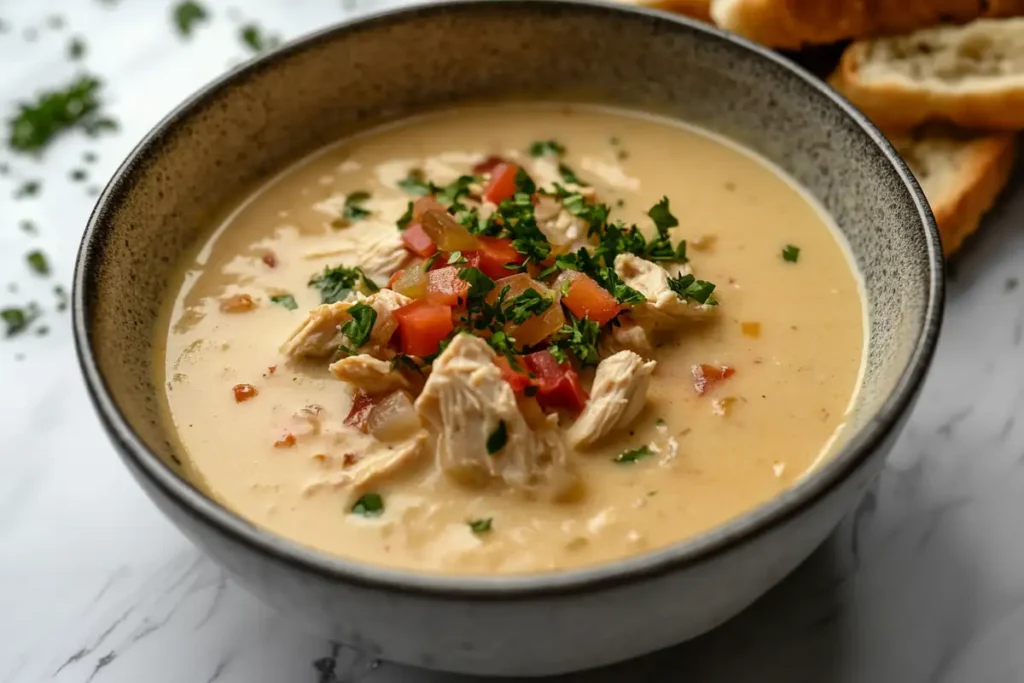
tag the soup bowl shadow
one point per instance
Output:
(259, 118)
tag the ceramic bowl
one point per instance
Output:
(261, 117)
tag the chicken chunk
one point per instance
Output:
(385, 303)
(319, 336)
(617, 397)
(370, 375)
(628, 336)
(379, 253)
(563, 230)
(379, 463)
(663, 308)
(482, 435)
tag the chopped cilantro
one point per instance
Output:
(256, 40)
(790, 253)
(188, 15)
(498, 438)
(286, 300)
(353, 210)
(632, 456)
(546, 147)
(689, 287)
(29, 188)
(405, 218)
(501, 342)
(416, 183)
(480, 284)
(38, 123)
(568, 175)
(480, 526)
(76, 48)
(335, 284)
(369, 505)
(17, 320)
(37, 261)
(358, 329)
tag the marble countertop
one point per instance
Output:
(923, 583)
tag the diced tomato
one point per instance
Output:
(502, 184)
(706, 376)
(358, 415)
(416, 240)
(424, 204)
(587, 299)
(517, 379)
(558, 386)
(422, 325)
(494, 254)
(487, 165)
(444, 286)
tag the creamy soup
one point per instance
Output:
(443, 345)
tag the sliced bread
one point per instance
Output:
(971, 75)
(961, 173)
(794, 23)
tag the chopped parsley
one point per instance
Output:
(37, 261)
(353, 210)
(660, 248)
(369, 505)
(286, 300)
(416, 183)
(527, 305)
(256, 40)
(335, 284)
(790, 253)
(568, 175)
(17, 320)
(689, 287)
(632, 456)
(38, 123)
(29, 188)
(480, 526)
(188, 15)
(457, 259)
(405, 218)
(358, 329)
(76, 48)
(578, 337)
(480, 284)
(498, 438)
(455, 190)
(543, 148)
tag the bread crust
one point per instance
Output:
(982, 172)
(904, 104)
(794, 23)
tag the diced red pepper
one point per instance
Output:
(558, 386)
(517, 379)
(422, 325)
(706, 376)
(416, 240)
(444, 286)
(502, 185)
(494, 254)
(587, 299)
(358, 415)
(487, 165)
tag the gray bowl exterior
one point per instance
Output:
(255, 121)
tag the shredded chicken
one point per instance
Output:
(370, 375)
(664, 308)
(466, 402)
(379, 253)
(379, 463)
(319, 335)
(617, 397)
(563, 230)
(385, 303)
(627, 337)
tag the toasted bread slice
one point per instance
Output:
(961, 173)
(794, 23)
(970, 75)
(696, 9)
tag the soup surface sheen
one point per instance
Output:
(791, 330)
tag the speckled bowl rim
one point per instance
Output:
(675, 557)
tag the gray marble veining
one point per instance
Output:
(923, 583)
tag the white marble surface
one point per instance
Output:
(923, 584)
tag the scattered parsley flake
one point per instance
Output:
(578, 337)
(78, 175)
(38, 123)
(187, 16)
(543, 148)
(76, 48)
(352, 210)
(528, 304)
(568, 175)
(632, 456)
(29, 227)
(480, 526)
(689, 287)
(358, 329)
(457, 259)
(17, 320)
(480, 284)
(37, 261)
(29, 188)
(369, 505)
(790, 253)
(286, 300)
(335, 284)
(416, 183)
(498, 438)
(62, 298)
(405, 218)
(256, 40)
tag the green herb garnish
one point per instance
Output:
(352, 210)
(417, 184)
(568, 175)
(256, 40)
(335, 284)
(480, 526)
(402, 360)
(187, 16)
(457, 259)
(78, 175)
(62, 297)
(37, 261)
(480, 284)
(790, 253)
(455, 190)
(29, 188)
(358, 329)
(39, 122)
(543, 148)
(527, 305)
(633, 455)
(17, 320)
(286, 300)
(405, 218)
(369, 505)
(689, 287)
(498, 438)
(76, 48)
(580, 338)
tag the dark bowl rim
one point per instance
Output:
(653, 563)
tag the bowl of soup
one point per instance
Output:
(509, 338)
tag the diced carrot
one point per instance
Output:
(495, 253)
(487, 165)
(422, 325)
(358, 415)
(517, 379)
(502, 185)
(244, 392)
(444, 286)
(706, 376)
(587, 299)
(416, 240)
(558, 386)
